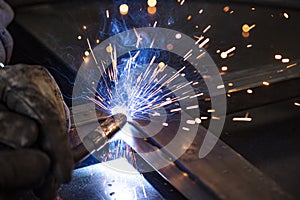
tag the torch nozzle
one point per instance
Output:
(99, 136)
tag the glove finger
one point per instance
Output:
(22, 168)
(4, 195)
(2, 53)
(2, 107)
(17, 131)
(48, 190)
(6, 13)
(7, 42)
(32, 91)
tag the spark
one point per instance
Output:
(139, 39)
(211, 110)
(123, 9)
(245, 34)
(108, 49)
(107, 14)
(280, 71)
(297, 104)
(198, 120)
(151, 3)
(246, 28)
(192, 107)
(266, 83)
(189, 17)
(230, 84)
(161, 64)
(249, 91)
(285, 60)
(285, 15)
(190, 122)
(188, 54)
(204, 43)
(201, 11)
(91, 50)
(224, 68)
(291, 65)
(242, 119)
(170, 47)
(215, 118)
(178, 36)
(207, 29)
(220, 86)
(165, 124)
(226, 8)
(225, 53)
(185, 129)
(197, 95)
(199, 39)
(185, 174)
(151, 10)
(249, 46)
(175, 110)
(86, 53)
(278, 57)
(79, 37)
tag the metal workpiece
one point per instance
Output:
(103, 182)
(222, 174)
(172, 173)
(99, 137)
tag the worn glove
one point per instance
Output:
(34, 150)
(6, 42)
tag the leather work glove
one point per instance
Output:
(6, 42)
(34, 149)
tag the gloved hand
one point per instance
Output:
(6, 42)
(35, 153)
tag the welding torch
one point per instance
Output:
(99, 137)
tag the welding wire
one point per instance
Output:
(99, 137)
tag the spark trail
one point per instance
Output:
(138, 89)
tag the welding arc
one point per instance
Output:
(99, 136)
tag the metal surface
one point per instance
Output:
(101, 182)
(274, 130)
(222, 174)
